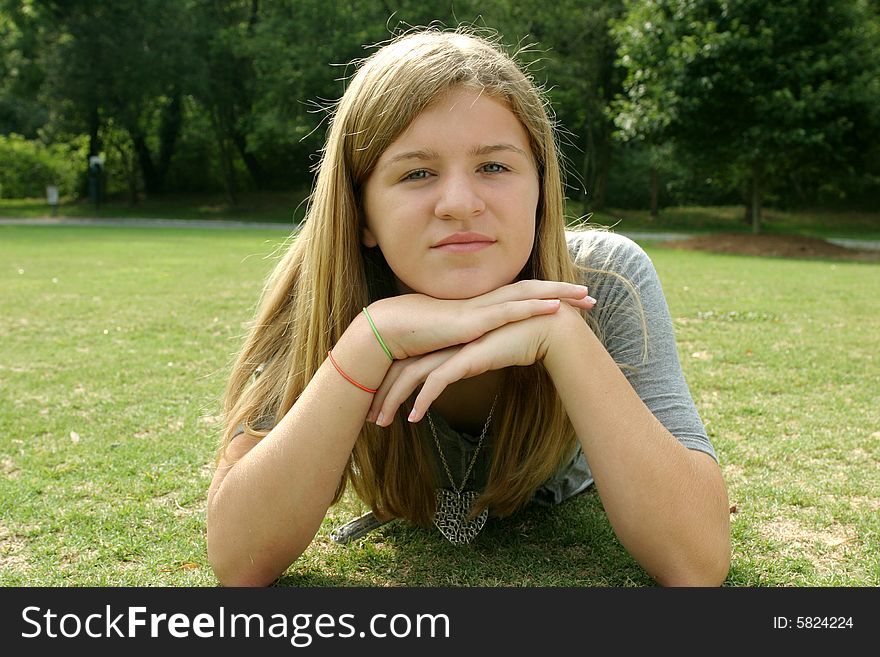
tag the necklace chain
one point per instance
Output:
(460, 488)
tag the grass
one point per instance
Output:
(729, 219)
(115, 347)
(269, 207)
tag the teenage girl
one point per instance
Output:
(436, 339)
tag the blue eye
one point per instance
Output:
(419, 174)
(493, 167)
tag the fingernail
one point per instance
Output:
(583, 288)
(380, 419)
(412, 415)
(553, 302)
(589, 300)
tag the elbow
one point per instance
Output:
(708, 570)
(242, 564)
(240, 580)
(236, 564)
(694, 578)
(702, 555)
(235, 571)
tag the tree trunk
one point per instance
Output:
(747, 215)
(172, 118)
(604, 164)
(149, 174)
(251, 163)
(225, 153)
(756, 199)
(655, 192)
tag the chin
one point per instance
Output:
(465, 290)
(464, 285)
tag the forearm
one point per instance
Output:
(666, 503)
(266, 510)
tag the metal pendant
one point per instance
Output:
(451, 516)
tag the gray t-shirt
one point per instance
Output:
(650, 365)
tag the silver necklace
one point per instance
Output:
(453, 506)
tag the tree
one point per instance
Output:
(752, 89)
(125, 61)
(21, 76)
(568, 47)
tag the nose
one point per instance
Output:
(459, 198)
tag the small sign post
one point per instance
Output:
(52, 197)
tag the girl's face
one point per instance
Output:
(452, 201)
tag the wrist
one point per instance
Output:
(566, 326)
(378, 335)
(383, 327)
(360, 354)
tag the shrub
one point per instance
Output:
(28, 166)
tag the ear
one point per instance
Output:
(368, 239)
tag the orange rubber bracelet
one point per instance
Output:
(372, 391)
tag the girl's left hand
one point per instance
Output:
(515, 344)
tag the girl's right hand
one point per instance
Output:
(415, 324)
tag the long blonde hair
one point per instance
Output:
(326, 276)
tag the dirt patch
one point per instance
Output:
(782, 246)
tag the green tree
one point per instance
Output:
(758, 91)
(125, 61)
(568, 48)
(21, 75)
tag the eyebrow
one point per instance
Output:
(427, 155)
(498, 148)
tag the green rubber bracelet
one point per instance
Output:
(378, 337)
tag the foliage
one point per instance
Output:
(764, 94)
(233, 95)
(28, 166)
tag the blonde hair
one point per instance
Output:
(326, 276)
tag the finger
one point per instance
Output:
(405, 381)
(399, 391)
(508, 312)
(463, 365)
(586, 303)
(533, 289)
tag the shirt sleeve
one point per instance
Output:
(633, 321)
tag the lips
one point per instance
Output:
(464, 242)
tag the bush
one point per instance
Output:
(27, 167)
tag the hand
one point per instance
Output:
(416, 324)
(515, 344)
(402, 378)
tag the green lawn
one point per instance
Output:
(115, 347)
(280, 207)
(695, 219)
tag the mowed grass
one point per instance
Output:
(115, 343)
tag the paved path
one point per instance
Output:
(218, 224)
